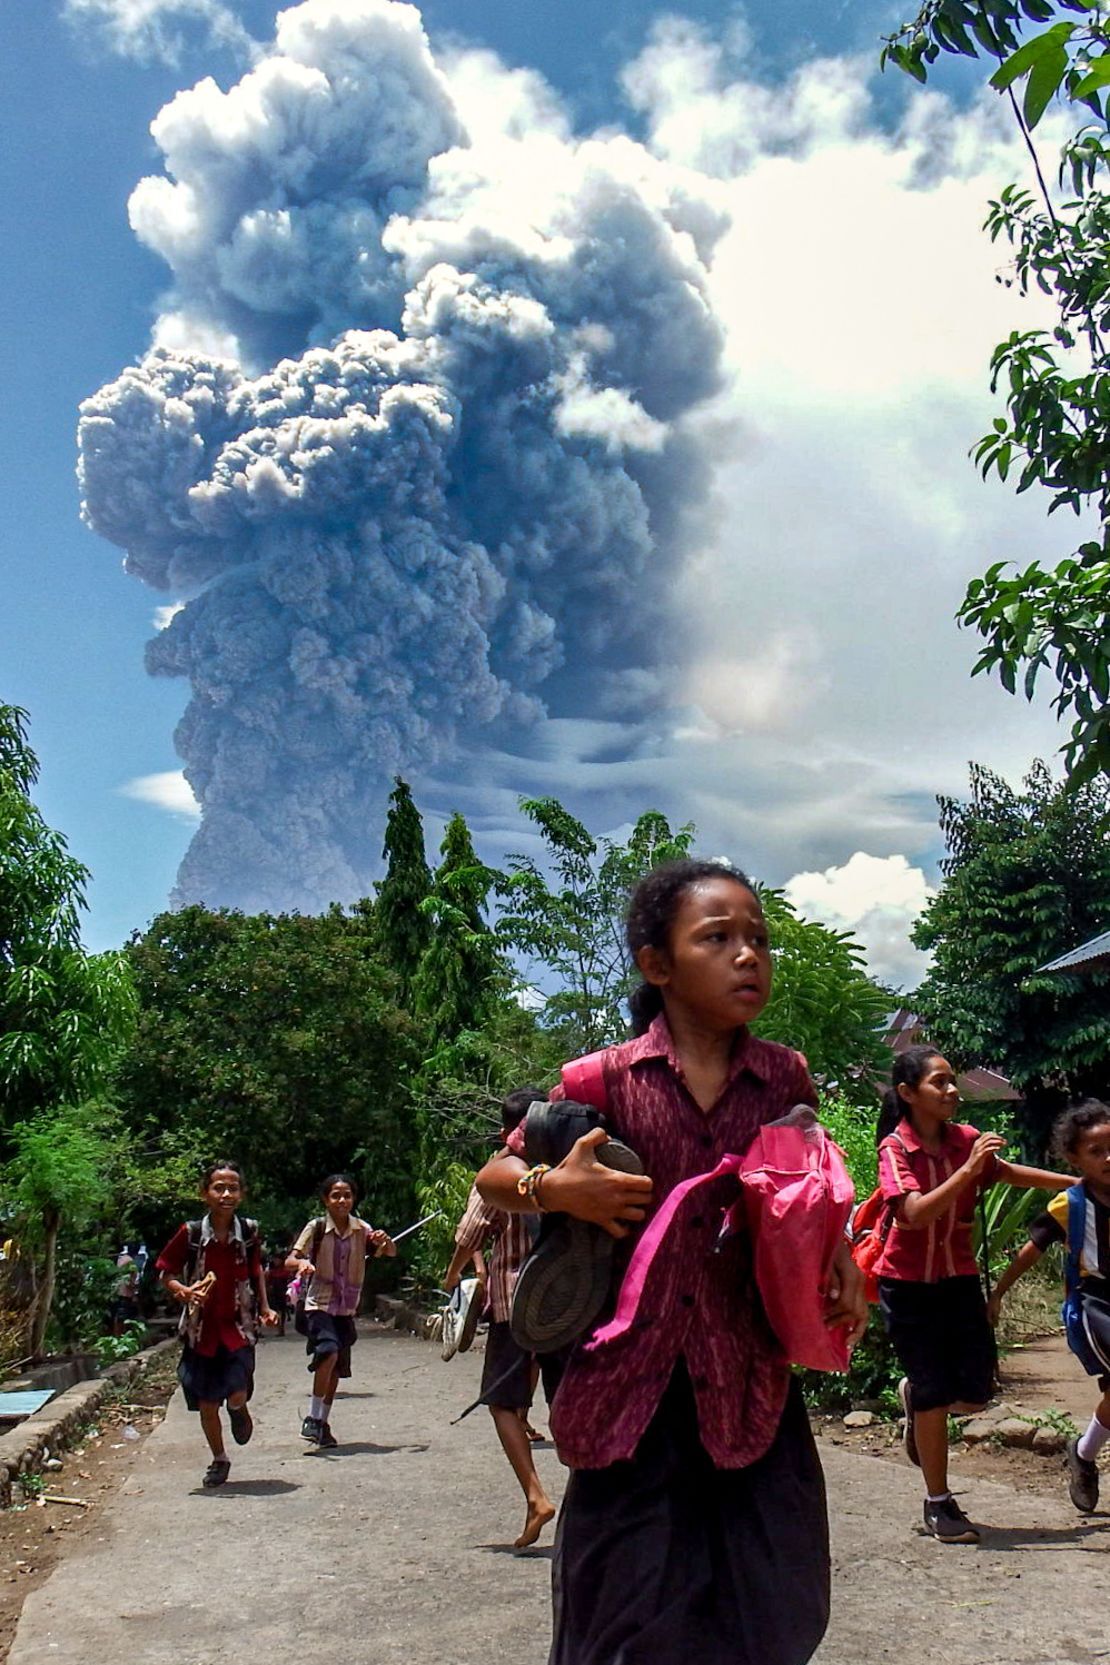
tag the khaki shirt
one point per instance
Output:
(336, 1285)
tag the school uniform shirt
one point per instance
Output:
(1052, 1227)
(513, 1237)
(340, 1262)
(699, 1303)
(941, 1249)
(222, 1320)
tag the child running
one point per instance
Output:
(214, 1266)
(332, 1252)
(931, 1171)
(694, 1522)
(508, 1372)
(1082, 1136)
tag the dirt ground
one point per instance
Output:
(36, 1535)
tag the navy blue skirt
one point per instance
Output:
(664, 1558)
(211, 1380)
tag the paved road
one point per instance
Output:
(396, 1549)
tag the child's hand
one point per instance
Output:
(586, 1188)
(269, 1318)
(994, 1310)
(306, 1270)
(986, 1146)
(383, 1244)
(847, 1296)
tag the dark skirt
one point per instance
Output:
(665, 1559)
(330, 1333)
(942, 1338)
(211, 1380)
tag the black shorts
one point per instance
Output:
(943, 1341)
(507, 1371)
(210, 1379)
(330, 1333)
(1094, 1293)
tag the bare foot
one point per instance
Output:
(539, 1513)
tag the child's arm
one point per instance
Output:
(463, 1253)
(1027, 1256)
(1032, 1179)
(580, 1185)
(916, 1209)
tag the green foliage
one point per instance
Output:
(447, 1188)
(823, 1003)
(1056, 385)
(84, 1291)
(110, 1348)
(1027, 877)
(1008, 1210)
(874, 1374)
(63, 1013)
(572, 926)
(853, 1128)
(404, 928)
(462, 973)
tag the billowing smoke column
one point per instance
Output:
(410, 448)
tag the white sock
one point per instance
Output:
(941, 1497)
(317, 1409)
(1092, 1442)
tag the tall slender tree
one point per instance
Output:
(462, 972)
(404, 928)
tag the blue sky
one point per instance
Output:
(81, 294)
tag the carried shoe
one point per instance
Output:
(460, 1316)
(216, 1473)
(242, 1424)
(1082, 1479)
(948, 1523)
(909, 1437)
(327, 1439)
(312, 1430)
(564, 1282)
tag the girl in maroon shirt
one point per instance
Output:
(696, 1498)
(931, 1170)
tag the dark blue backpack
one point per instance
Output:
(1072, 1310)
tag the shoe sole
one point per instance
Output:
(1087, 1503)
(237, 1420)
(971, 1537)
(909, 1439)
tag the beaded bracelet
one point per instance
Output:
(527, 1184)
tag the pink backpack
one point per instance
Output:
(796, 1201)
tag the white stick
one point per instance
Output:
(408, 1231)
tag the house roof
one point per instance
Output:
(980, 1086)
(1087, 954)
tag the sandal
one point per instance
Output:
(216, 1472)
(563, 1283)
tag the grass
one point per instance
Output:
(1032, 1306)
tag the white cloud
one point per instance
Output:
(877, 899)
(164, 616)
(168, 790)
(159, 30)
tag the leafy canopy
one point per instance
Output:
(404, 928)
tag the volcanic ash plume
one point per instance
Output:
(410, 444)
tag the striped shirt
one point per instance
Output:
(1052, 1227)
(336, 1284)
(513, 1236)
(699, 1301)
(943, 1248)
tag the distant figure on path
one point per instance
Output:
(332, 1252)
(931, 1171)
(694, 1528)
(1079, 1218)
(508, 1372)
(214, 1267)
(125, 1305)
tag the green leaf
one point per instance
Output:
(1050, 45)
(1043, 85)
(1097, 76)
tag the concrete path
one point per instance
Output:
(395, 1549)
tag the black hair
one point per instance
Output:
(336, 1179)
(1070, 1127)
(651, 911)
(211, 1168)
(515, 1105)
(909, 1070)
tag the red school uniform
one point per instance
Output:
(221, 1319)
(943, 1248)
(698, 1304)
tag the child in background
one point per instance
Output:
(694, 1523)
(1082, 1136)
(331, 1253)
(214, 1266)
(931, 1171)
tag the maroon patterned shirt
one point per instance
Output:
(699, 1301)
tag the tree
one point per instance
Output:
(63, 1013)
(1056, 385)
(462, 972)
(1027, 877)
(404, 929)
(573, 926)
(823, 1003)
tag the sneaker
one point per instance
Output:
(460, 1316)
(1082, 1479)
(312, 1430)
(564, 1282)
(242, 1425)
(328, 1440)
(947, 1522)
(216, 1473)
(909, 1438)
